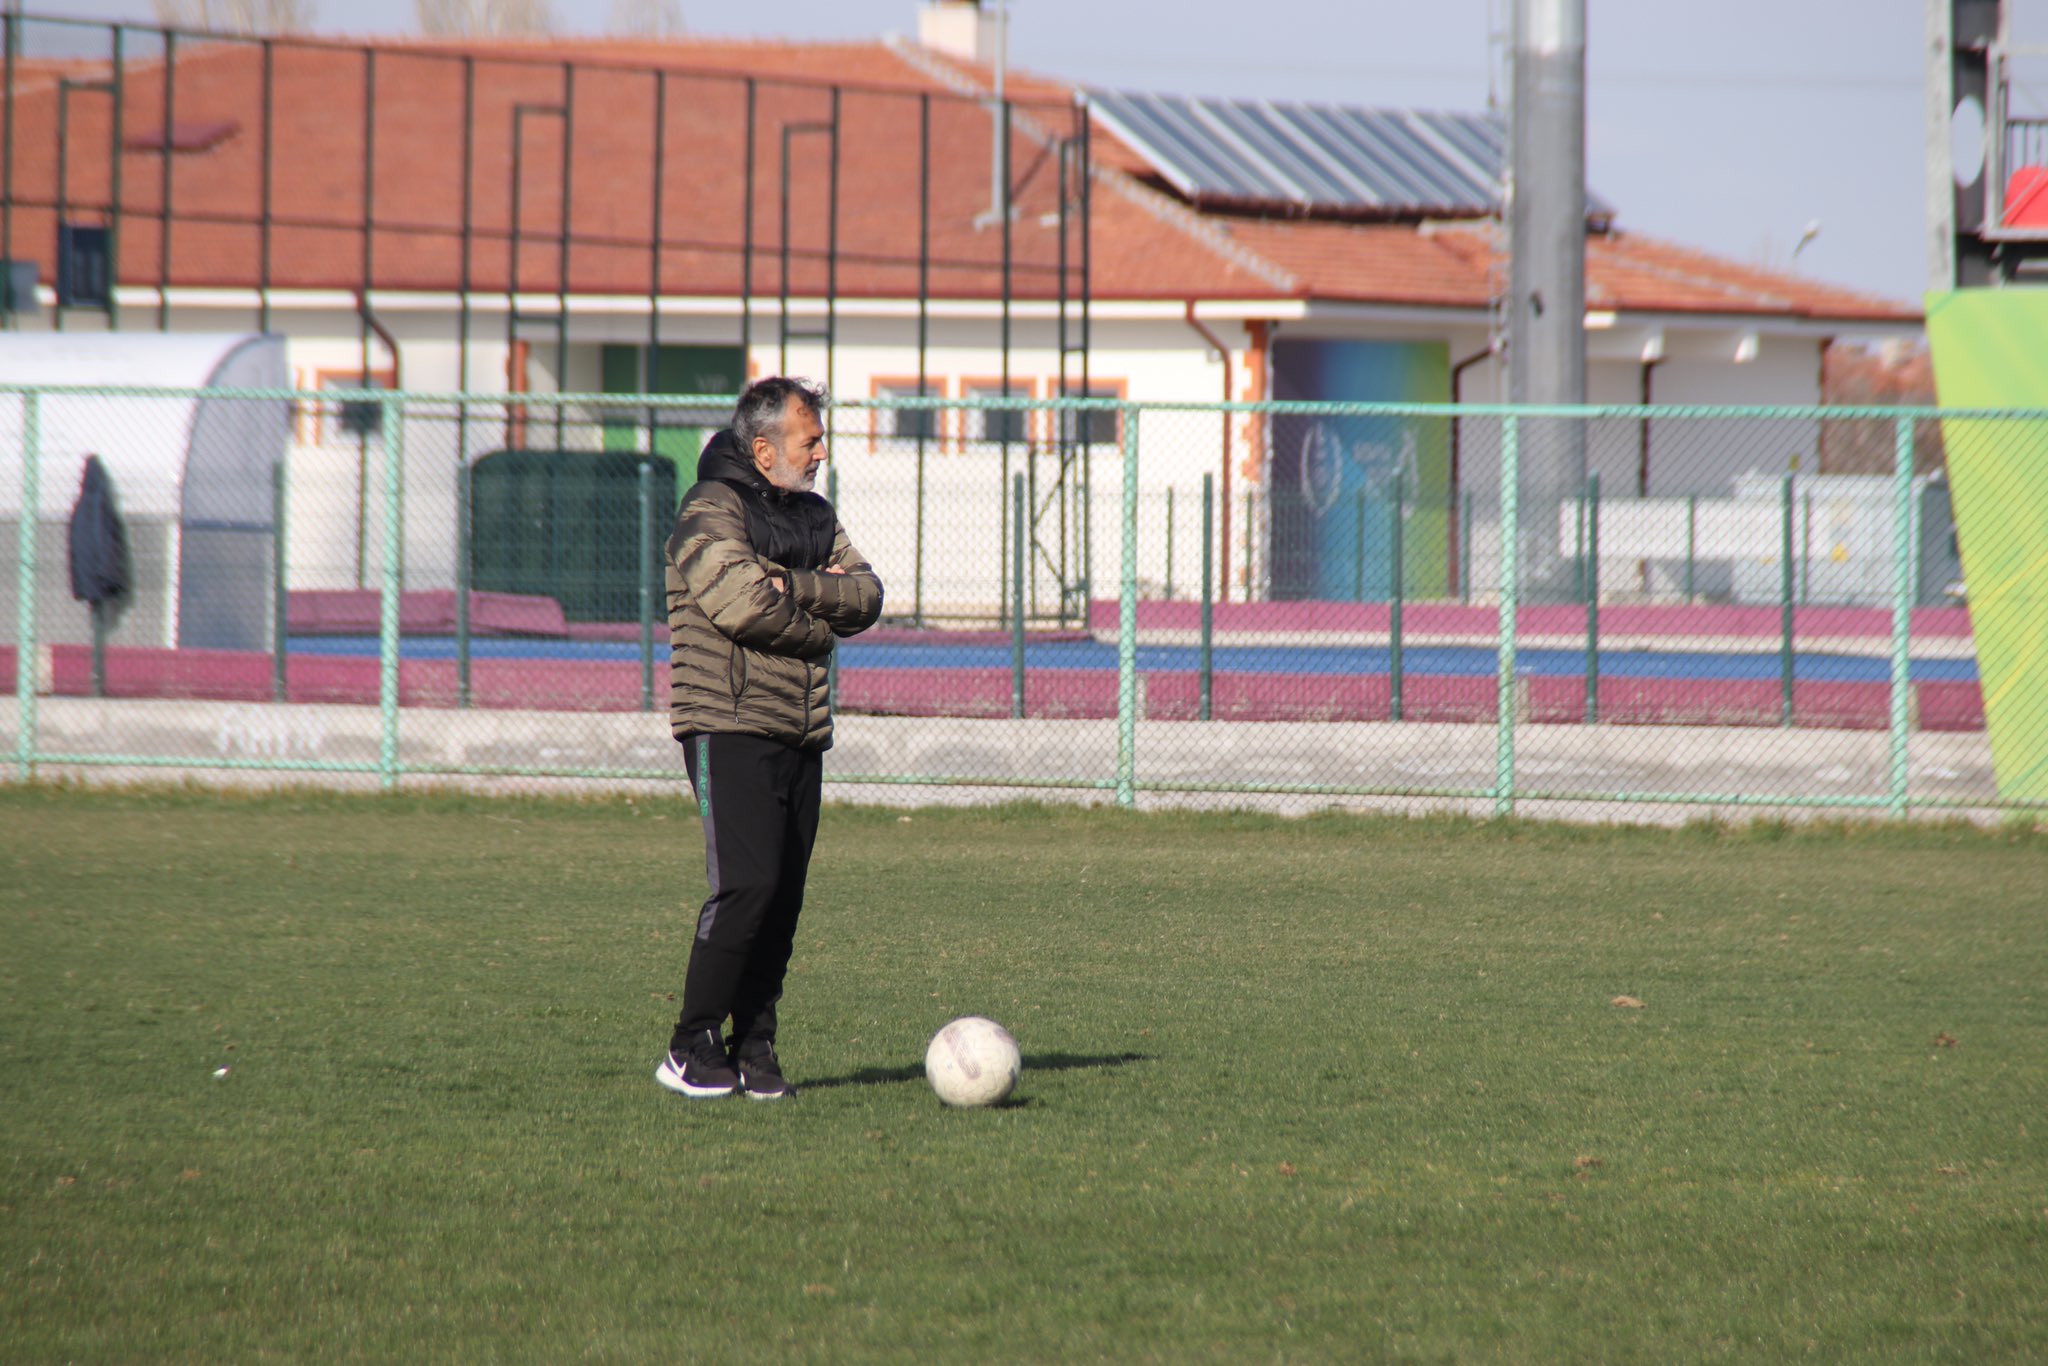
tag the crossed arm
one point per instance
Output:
(762, 605)
(846, 593)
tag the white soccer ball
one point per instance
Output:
(972, 1061)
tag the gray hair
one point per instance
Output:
(765, 404)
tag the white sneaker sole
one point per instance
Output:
(667, 1075)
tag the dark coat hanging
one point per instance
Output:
(100, 568)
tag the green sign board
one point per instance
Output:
(1990, 350)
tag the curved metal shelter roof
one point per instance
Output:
(170, 457)
(197, 466)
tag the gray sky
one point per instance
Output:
(1728, 126)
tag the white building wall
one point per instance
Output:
(1687, 457)
(951, 561)
(954, 556)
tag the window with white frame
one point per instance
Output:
(1093, 427)
(995, 424)
(354, 419)
(906, 424)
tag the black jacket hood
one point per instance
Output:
(722, 458)
(792, 529)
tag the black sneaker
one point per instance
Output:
(700, 1068)
(760, 1074)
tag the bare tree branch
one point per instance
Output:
(646, 18)
(449, 18)
(235, 16)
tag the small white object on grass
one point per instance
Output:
(972, 1061)
(219, 1072)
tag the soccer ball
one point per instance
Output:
(972, 1061)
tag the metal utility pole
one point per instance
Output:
(1546, 204)
(1969, 90)
(1941, 184)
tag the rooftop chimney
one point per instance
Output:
(959, 28)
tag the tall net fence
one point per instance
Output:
(1637, 613)
(165, 160)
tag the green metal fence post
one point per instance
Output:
(1692, 538)
(646, 563)
(1905, 579)
(1169, 543)
(1208, 592)
(1510, 556)
(1592, 560)
(1251, 512)
(1358, 551)
(1785, 600)
(1127, 629)
(1017, 558)
(1465, 551)
(387, 625)
(1004, 567)
(1806, 548)
(917, 548)
(1579, 548)
(27, 647)
(280, 593)
(1919, 560)
(465, 572)
(1396, 587)
(1087, 546)
(1454, 530)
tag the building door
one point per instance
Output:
(677, 433)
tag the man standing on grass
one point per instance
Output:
(761, 579)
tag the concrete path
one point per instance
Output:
(1663, 774)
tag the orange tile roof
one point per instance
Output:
(1626, 271)
(1630, 265)
(1145, 244)
(1465, 266)
(43, 73)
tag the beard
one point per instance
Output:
(792, 476)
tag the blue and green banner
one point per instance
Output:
(1335, 479)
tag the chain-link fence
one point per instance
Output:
(1621, 612)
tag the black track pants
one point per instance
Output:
(758, 800)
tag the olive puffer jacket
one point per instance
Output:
(744, 656)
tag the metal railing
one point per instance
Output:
(2026, 143)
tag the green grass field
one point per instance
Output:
(1294, 1090)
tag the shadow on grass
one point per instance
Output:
(1033, 1062)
